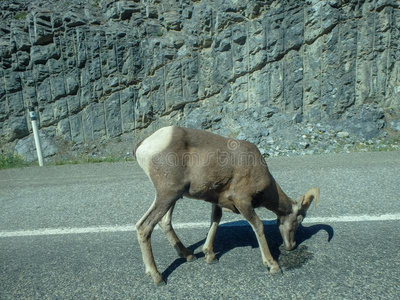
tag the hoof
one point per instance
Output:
(211, 260)
(160, 283)
(191, 257)
(282, 248)
(158, 280)
(275, 271)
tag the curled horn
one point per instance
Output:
(309, 196)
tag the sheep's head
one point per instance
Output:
(288, 224)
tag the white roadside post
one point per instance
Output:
(33, 117)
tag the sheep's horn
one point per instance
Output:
(309, 196)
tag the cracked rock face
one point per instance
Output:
(254, 70)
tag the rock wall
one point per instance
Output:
(267, 71)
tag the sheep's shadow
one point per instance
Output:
(240, 234)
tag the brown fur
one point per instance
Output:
(228, 173)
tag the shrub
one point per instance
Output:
(20, 15)
(11, 160)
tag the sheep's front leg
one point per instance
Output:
(248, 212)
(166, 226)
(216, 215)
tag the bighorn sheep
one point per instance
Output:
(230, 174)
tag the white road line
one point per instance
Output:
(75, 178)
(191, 225)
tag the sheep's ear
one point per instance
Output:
(304, 201)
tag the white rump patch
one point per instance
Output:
(152, 146)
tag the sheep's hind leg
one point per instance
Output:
(144, 228)
(166, 226)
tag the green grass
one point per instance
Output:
(20, 15)
(11, 160)
(91, 160)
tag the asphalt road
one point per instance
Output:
(67, 232)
